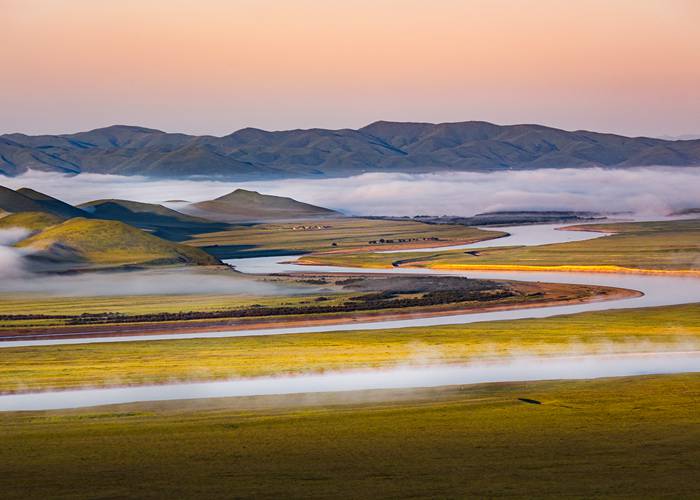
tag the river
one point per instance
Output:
(657, 291)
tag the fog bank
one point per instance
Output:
(175, 282)
(645, 191)
(507, 370)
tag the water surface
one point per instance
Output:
(517, 369)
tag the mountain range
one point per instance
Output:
(379, 147)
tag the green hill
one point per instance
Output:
(251, 205)
(28, 200)
(137, 212)
(104, 242)
(157, 219)
(11, 201)
(33, 221)
(51, 204)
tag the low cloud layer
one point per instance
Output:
(16, 277)
(12, 264)
(645, 191)
(136, 283)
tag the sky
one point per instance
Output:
(215, 66)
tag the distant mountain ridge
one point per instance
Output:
(379, 147)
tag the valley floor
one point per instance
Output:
(655, 329)
(613, 438)
(644, 247)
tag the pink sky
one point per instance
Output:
(213, 66)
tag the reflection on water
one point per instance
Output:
(518, 369)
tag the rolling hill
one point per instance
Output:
(102, 242)
(51, 204)
(161, 221)
(379, 147)
(33, 221)
(244, 205)
(28, 200)
(11, 201)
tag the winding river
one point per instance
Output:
(657, 291)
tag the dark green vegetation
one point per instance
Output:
(101, 242)
(381, 146)
(387, 293)
(667, 245)
(70, 366)
(243, 205)
(315, 298)
(157, 219)
(611, 438)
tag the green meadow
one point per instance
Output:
(633, 437)
(104, 364)
(346, 233)
(668, 245)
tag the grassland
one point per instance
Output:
(67, 366)
(653, 246)
(29, 304)
(346, 233)
(312, 299)
(33, 221)
(612, 438)
(104, 242)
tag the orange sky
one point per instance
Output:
(213, 66)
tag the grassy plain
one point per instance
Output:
(346, 233)
(299, 299)
(69, 366)
(611, 438)
(665, 246)
(14, 304)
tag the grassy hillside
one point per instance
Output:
(157, 219)
(33, 221)
(137, 212)
(346, 233)
(243, 205)
(634, 437)
(28, 200)
(665, 246)
(11, 201)
(109, 243)
(51, 204)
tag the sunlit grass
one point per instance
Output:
(62, 366)
(346, 233)
(666, 246)
(633, 437)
